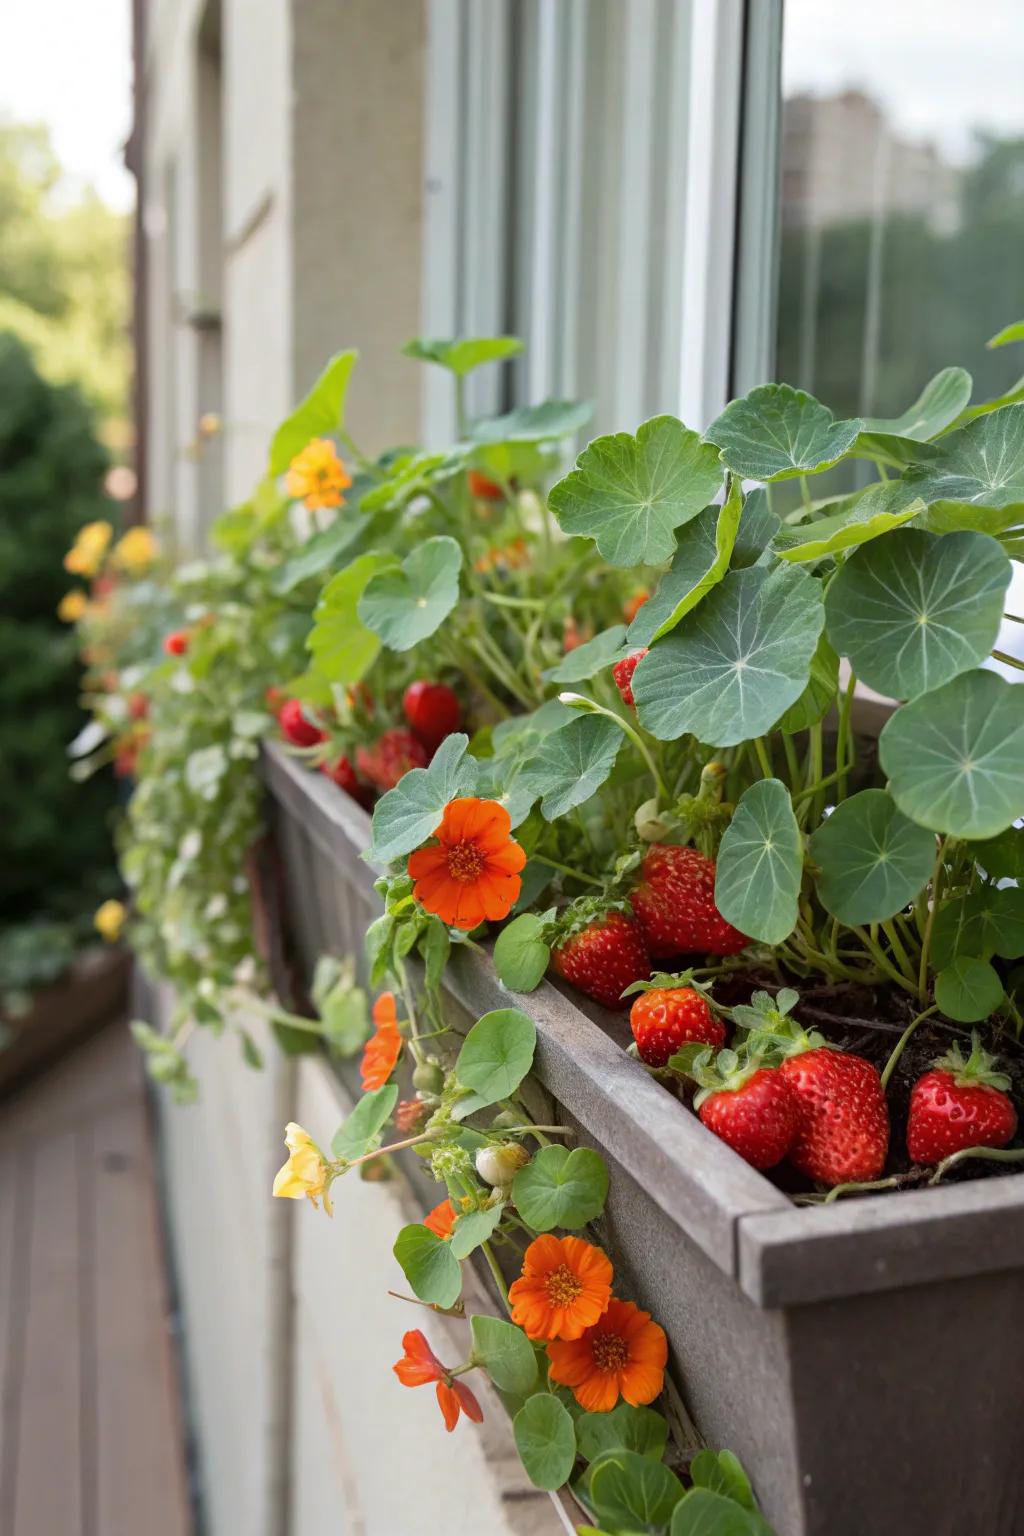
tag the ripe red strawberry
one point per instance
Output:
(623, 671)
(344, 775)
(296, 729)
(632, 606)
(675, 905)
(433, 712)
(664, 1017)
(176, 643)
(959, 1104)
(602, 952)
(843, 1135)
(390, 757)
(482, 487)
(751, 1107)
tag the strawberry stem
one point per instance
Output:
(992, 1154)
(897, 1050)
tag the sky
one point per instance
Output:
(939, 67)
(68, 63)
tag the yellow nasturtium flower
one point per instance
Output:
(317, 475)
(72, 606)
(85, 556)
(307, 1172)
(109, 919)
(135, 551)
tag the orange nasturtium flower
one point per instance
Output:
(307, 1173)
(472, 874)
(384, 1046)
(564, 1288)
(623, 1354)
(317, 476)
(441, 1220)
(419, 1366)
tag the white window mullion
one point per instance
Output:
(442, 203)
(638, 39)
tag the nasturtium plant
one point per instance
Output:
(777, 432)
(760, 864)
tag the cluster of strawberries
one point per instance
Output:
(431, 709)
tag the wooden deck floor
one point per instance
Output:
(91, 1440)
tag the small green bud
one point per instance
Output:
(428, 1077)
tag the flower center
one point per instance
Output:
(465, 861)
(562, 1286)
(610, 1352)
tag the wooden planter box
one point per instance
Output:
(863, 1359)
(93, 990)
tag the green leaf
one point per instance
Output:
(629, 494)
(703, 551)
(760, 864)
(968, 990)
(361, 1129)
(505, 1353)
(435, 946)
(985, 923)
(625, 1428)
(937, 407)
(1014, 332)
(496, 1055)
(559, 1188)
(473, 1229)
(320, 413)
(954, 757)
(546, 1441)
(343, 1016)
(571, 764)
(520, 954)
(342, 647)
(461, 355)
(737, 662)
(534, 423)
(816, 699)
(319, 552)
(410, 813)
(777, 432)
(407, 604)
(982, 464)
(915, 611)
(632, 1491)
(410, 475)
(1002, 857)
(872, 512)
(721, 1472)
(705, 1513)
(429, 1265)
(591, 657)
(873, 860)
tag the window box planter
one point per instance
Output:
(830, 1347)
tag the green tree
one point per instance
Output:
(64, 276)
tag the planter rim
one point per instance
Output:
(779, 1254)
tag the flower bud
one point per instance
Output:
(428, 1077)
(499, 1163)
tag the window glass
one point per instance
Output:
(902, 187)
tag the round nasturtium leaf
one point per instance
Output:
(546, 1440)
(914, 610)
(559, 1188)
(407, 604)
(520, 954)
(968, 990)
(630, 494)
(777, 432)
(505, 1353)
(954, 757)
(760, 863)
(737, 662)
(872, 860)
(703, 550)
(429, 1265)
(855, 520)
(496, 1055)
(982, 465)
(819, 695)
(984, 923)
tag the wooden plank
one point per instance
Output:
(48, 1469)
(140, 1475)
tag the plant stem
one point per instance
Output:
(396, 1146)
(634, 736)
(499, 1278)
(897, 1050)
(564, 869)
(992, 1154)
(926, 941)
(1008, 660)
(843, 744)
(763, 758)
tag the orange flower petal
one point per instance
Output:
(419, 1364)
(385, 1010)
(449, 1404)
(425, 861)
(441, 1219)
(470, 1407)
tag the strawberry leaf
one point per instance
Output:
(629, 494)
